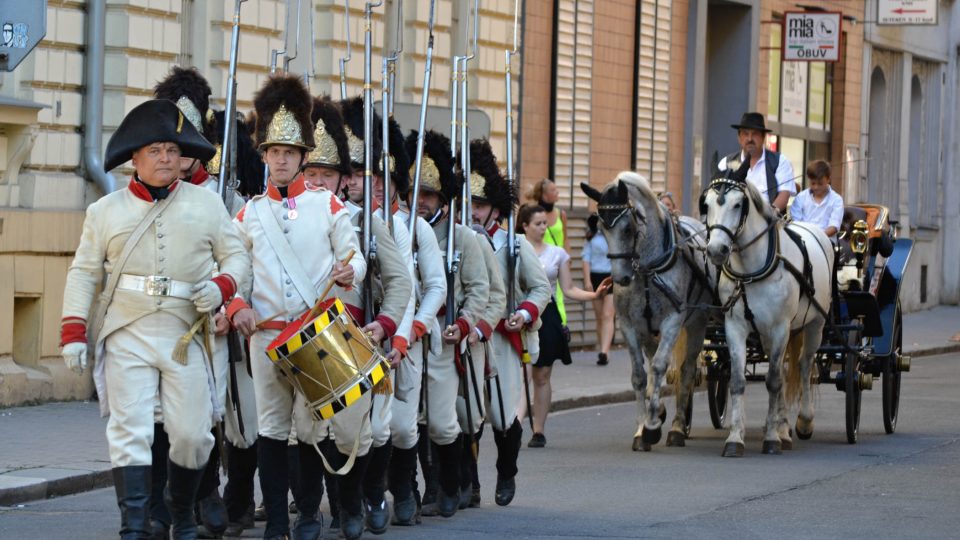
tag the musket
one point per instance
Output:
(513, 247)
(349, 56)
(386, 100)
(227, 182)
(368, 245)
(428, 67)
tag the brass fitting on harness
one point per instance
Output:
(858, 238)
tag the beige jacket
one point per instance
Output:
(471, 285)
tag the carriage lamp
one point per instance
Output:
(858, 238)
(903, 362)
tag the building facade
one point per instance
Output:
(599, 86)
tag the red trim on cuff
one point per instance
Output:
(400, 344)
(419, 329)
(234, 306)
(389, 327)
(485, 329)
(73, 330)
(227, 285)
(464, 327)
(531, 309)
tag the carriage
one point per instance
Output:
(863, 335)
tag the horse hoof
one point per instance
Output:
(651, 436)
(786, 444)
(772, 448)
(640, 444)
(675, 438)
(804, 429)
(733, 449)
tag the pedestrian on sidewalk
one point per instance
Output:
(545, 194)
(596, 268)
(532, 222)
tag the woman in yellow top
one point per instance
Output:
(545, 194)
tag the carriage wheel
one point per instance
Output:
(851, 385)
(718, 390)
(891, 377)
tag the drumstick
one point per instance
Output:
(315, 310)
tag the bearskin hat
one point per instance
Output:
(330, 138)
(283, 108)
(400, 173)
(352, 110)
(487, 184)
(191, 92)
(436, 172)
(249, 166)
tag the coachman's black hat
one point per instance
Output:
(157, 120)
(752, 120)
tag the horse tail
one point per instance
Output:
(677, 359)
(792, 358)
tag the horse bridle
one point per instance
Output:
(723, 186)
(662, 263)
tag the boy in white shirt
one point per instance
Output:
(819, 204)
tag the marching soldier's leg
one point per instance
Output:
(241, 451)
(159, 515)
(404, 434)
(444, 431)
(505, 395)
(309, 523)
(471, 387)
(374, 487)
(274, 398)
(210, 506)
(133, 386)
(347, 426)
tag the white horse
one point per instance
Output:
(663, 288)
(769, 285)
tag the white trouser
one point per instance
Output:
(380, 419)
(138, 361)
(443, 383)
(406, 381)
(280, 407)
(248, 409)
(476, 412)
(505, 389)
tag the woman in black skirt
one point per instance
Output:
(532, 222)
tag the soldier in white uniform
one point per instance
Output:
(298, 239)
(468, 292)
(164, 285)
(493, 200)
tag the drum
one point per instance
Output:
(330, 361)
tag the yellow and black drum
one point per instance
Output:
(329, 360)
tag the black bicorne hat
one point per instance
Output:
(157, 120)
(487, 184)
(436, 174)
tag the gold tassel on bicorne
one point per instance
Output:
(384, 388)
(183, 344)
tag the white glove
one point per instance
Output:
(206, 296)
(75, 356)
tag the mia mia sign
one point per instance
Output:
(811, 36)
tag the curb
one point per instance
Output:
(934, 351)
(46, 489)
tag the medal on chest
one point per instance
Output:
(291, 206)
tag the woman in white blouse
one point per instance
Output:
(532, 222)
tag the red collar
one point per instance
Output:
(140, 191)
(493, 229)
(295, 189)
(199, 176)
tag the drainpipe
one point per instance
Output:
(93, 98)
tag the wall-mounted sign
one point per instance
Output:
(22, 26)
(811, 36)
(793, 100)
(907, 12)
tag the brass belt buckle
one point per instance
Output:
(157, 286)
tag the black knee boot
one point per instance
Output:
(430, 465)
(350, 484)
(508, 450)
(238, 493)
(272, 462)
(293, 475)
(159, 514)
(468, 467)
(180, 496)
(309, 524)
(132, 485)
(448, 497)
(211, 510)
(403, 467)
(332, 485)
(374, 488)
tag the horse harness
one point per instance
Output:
(774, 256)
(651, 272)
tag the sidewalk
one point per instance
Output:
(60, 448)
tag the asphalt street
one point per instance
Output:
(587, 483)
